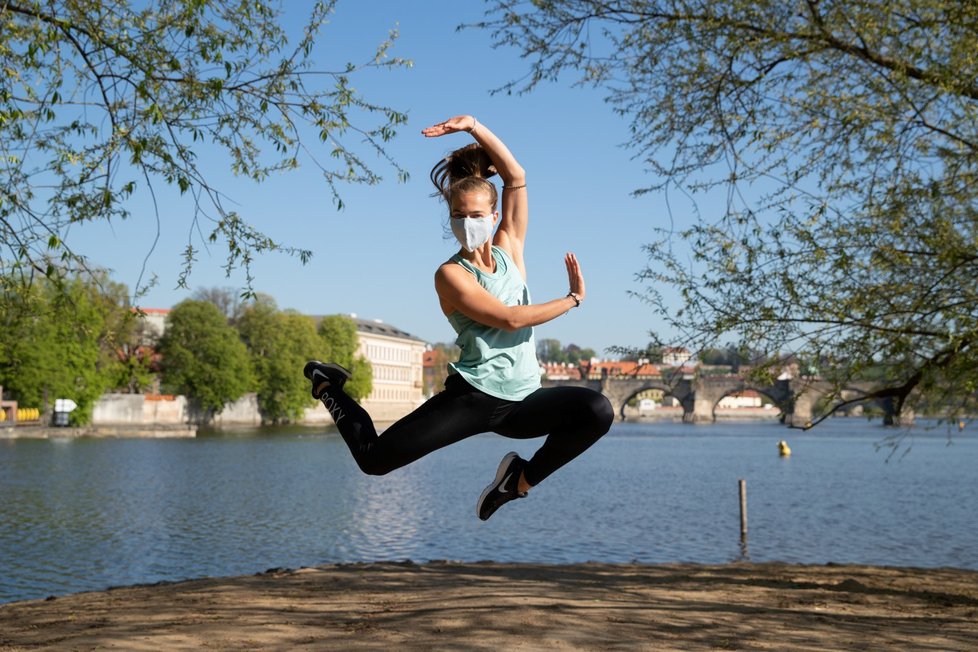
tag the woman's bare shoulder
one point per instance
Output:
(449, 271)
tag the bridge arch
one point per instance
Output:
(887, 404)
(710, 390)
(776, 398)
(620, 390)
(651, 385)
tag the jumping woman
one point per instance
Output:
(495, 385)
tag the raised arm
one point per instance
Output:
(511, 234)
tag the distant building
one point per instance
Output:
(396, 358)
(153, 325)
(560, 371)
(431, 364)
(436, 361)
(747, 398)
(598, 369)
(647, 405)
(675, 356)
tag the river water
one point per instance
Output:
(87, 514)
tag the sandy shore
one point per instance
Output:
(488, 606)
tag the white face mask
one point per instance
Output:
(472, 232)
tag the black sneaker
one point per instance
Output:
(504, 488)
(330, 372)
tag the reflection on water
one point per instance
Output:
(87, 514)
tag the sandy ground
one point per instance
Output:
(488, 606)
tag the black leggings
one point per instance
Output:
(572, 418)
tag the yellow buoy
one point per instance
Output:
(783, 448)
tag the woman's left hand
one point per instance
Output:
(450, 126)
(575, 278)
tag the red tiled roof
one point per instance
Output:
(557, 370)
(624, 368)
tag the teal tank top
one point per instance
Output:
(498, 362)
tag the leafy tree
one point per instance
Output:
(652, 353)
(550, 350)
(715, 357)
(735, 357)
(576, 355)
(29, 357)
(128, 345)
(136, 371)
(280, 343)
(339, 334)
(227, 300)
(101, 102)
(203, 358)
(60, 340)
(841, 142)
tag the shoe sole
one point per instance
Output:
(500, 473)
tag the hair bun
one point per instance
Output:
(468, 161)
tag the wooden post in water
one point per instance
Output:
(743, 509)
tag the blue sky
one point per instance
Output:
(377, 256)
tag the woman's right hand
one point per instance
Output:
(450, 126)
(574, 276)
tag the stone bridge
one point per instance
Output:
(796, 398)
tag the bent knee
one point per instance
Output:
(604, 413)
(596, 410)
(375, 467)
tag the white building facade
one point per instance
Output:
(397, 361)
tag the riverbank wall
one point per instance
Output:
(60, 432)
(155, 416)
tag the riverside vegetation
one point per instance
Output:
(80, 338)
